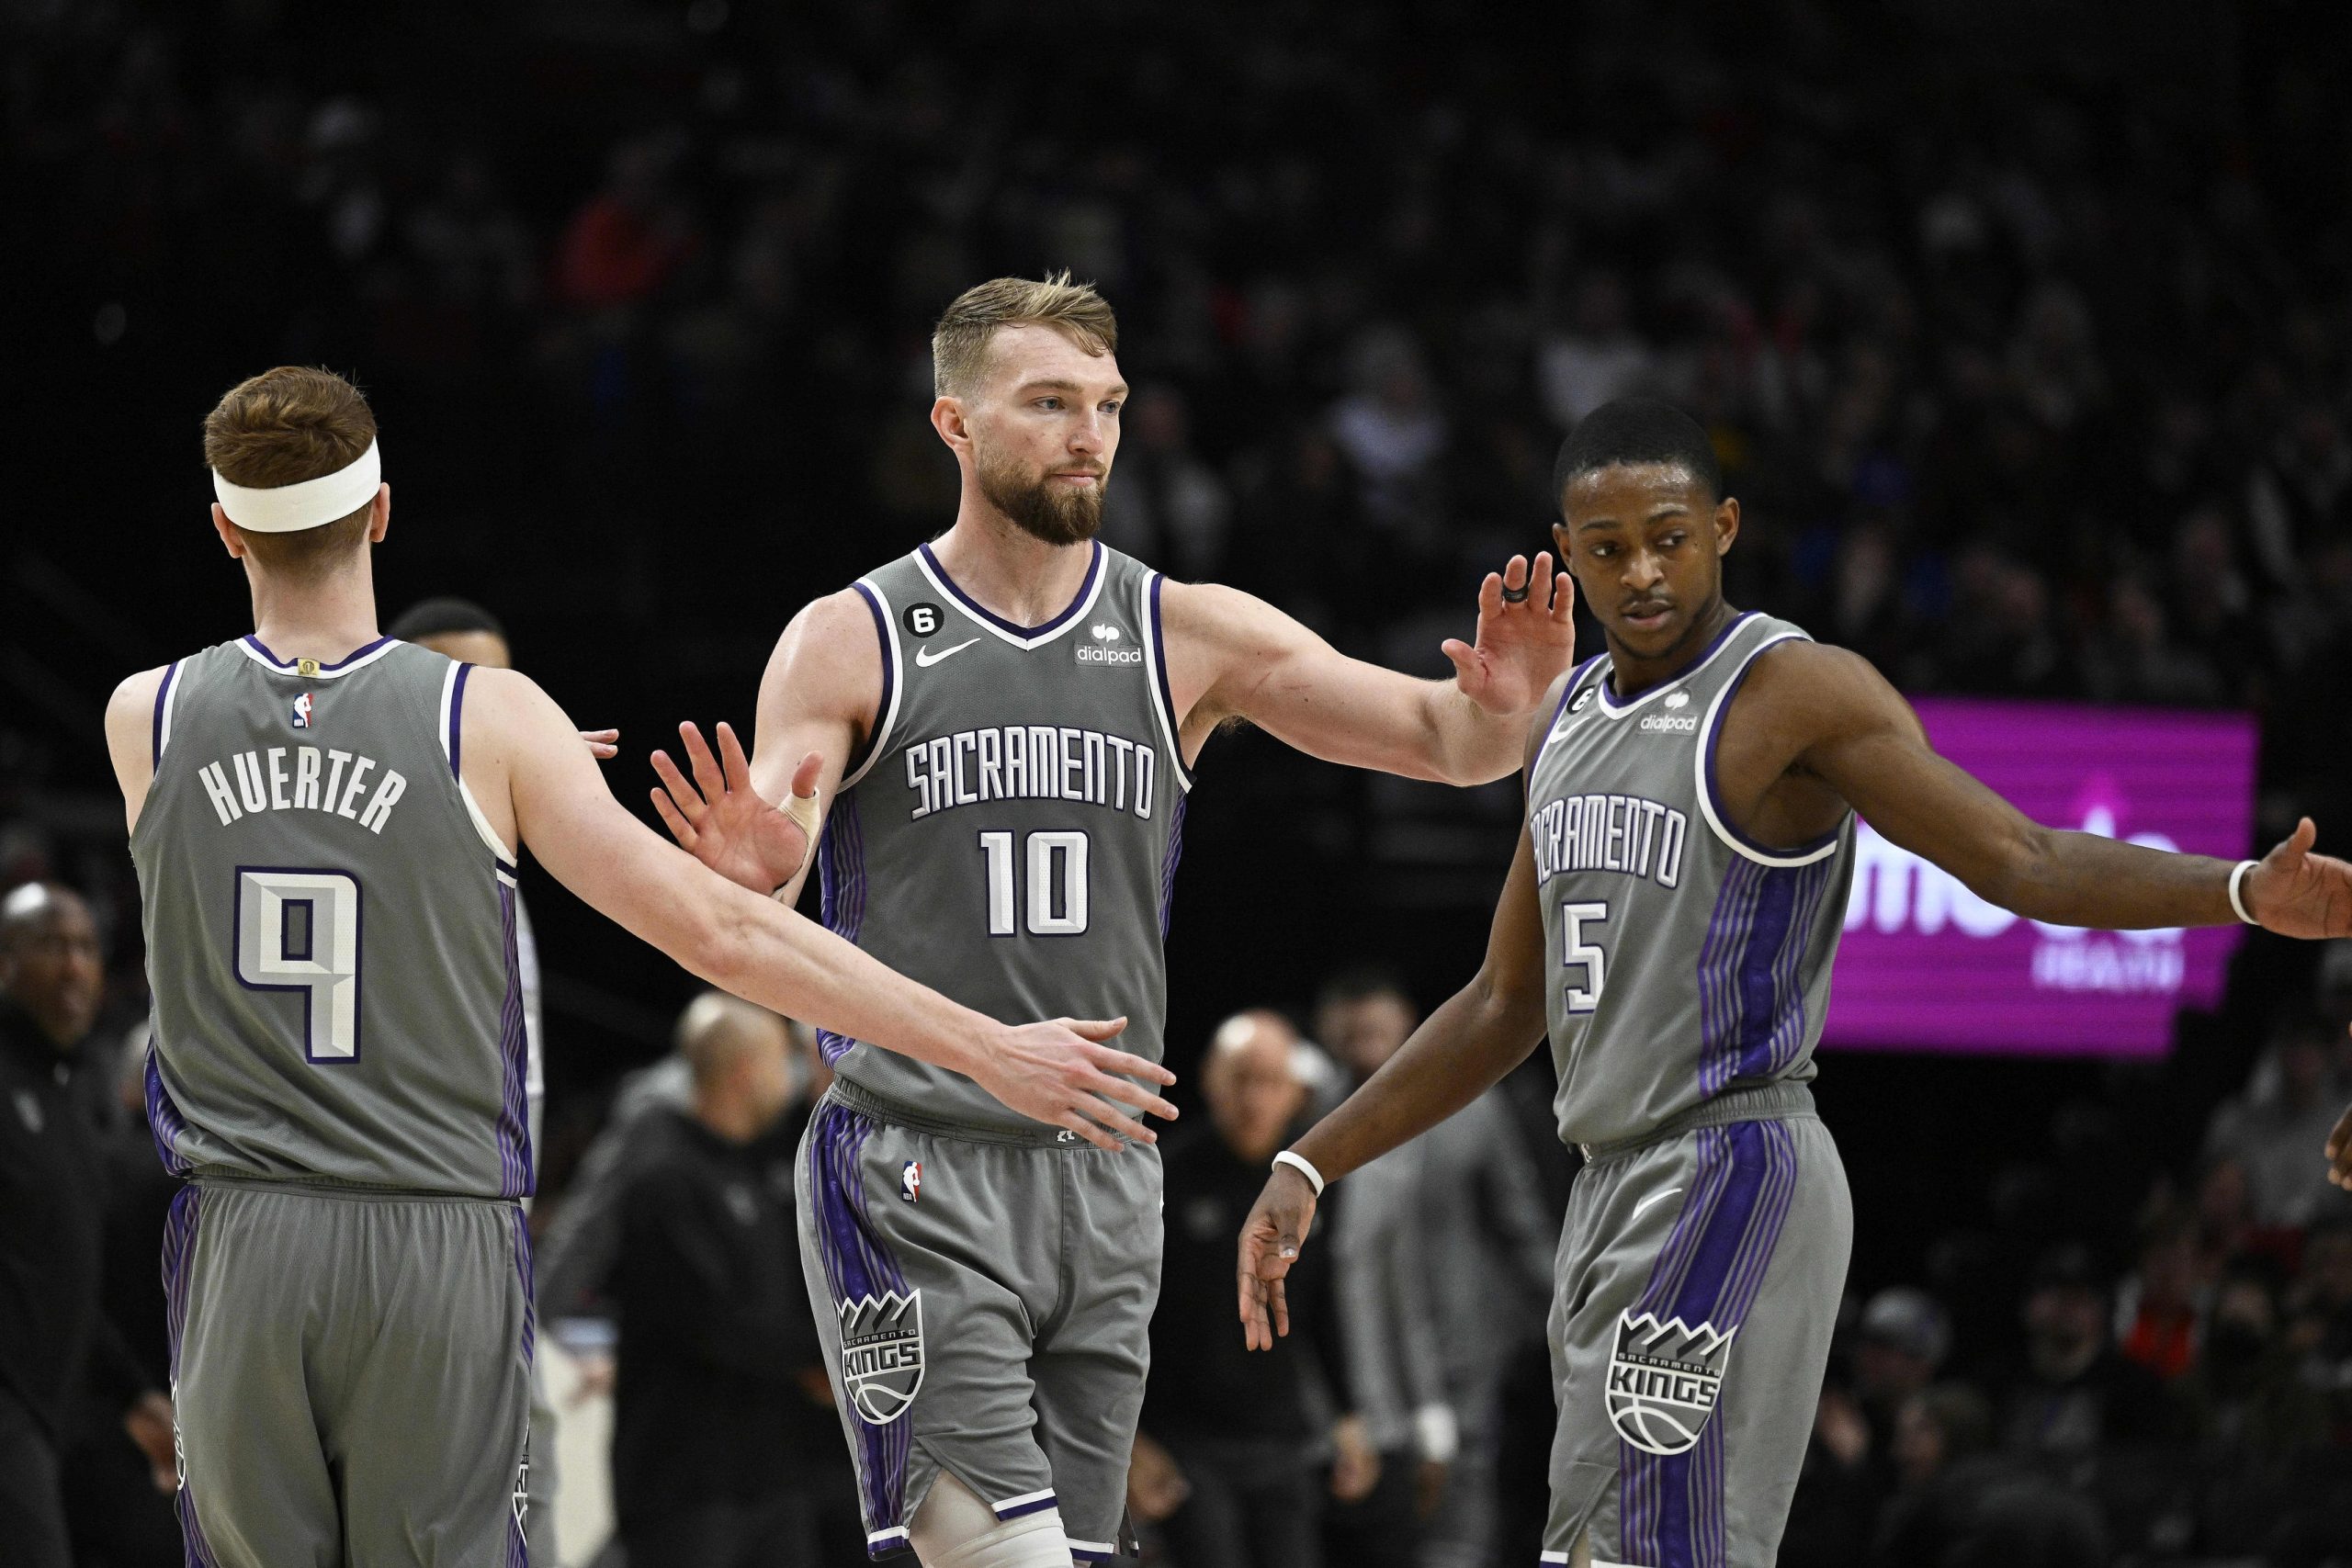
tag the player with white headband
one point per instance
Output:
(326, 825)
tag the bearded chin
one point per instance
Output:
(1058, 515)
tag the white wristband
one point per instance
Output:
(1299, 1164)
(2237, 899)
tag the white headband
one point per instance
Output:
(289, 509)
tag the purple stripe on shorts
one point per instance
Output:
(179, 1264)
(1671, 1507)
(514, 1112)
(858, 1268)
(1021, 1510)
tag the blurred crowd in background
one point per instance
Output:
(2025, 336)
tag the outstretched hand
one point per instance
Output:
(1065, 1073)
(725, 823)
(1271, 1238)
(2296, 893)
(1525, 640)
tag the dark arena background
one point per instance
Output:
(2022, 331)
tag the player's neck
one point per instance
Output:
(1631, 675)
(1015, 575)
(327, 620)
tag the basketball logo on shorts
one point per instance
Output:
(882, 1353)
(910, 1180)
(922, 619)
(1663, 1380)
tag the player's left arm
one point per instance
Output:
(1234, 655)
(1834, 718)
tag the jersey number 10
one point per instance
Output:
(1056, 863)
(299, 931)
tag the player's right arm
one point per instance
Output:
(525, 766)
(130, 737)
(1461, 1051)
(820, 698)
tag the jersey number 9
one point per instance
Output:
(299, 931)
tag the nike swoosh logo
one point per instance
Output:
(1652, 1199)
(925, 659)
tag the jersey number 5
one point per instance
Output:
(299, 931)
(1045, 878)
(1581, 953)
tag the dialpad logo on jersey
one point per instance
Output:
(1678, 699)
(910, 1180)
(922, 618)
(1671, 723)
(1663, 1380)
(882, 1353)
(1101, 652)
(302, 710)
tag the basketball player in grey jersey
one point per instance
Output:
(1002, 728)
(1670, 919)
(325, 824)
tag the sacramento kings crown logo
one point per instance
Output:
(882, 1353)
(1663, 1380)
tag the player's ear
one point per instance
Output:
(947, 418)
(1727, 524)
(230, 540)
(382, 507)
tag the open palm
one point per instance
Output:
(1523, 642)
(2296, 893)
(725, 823)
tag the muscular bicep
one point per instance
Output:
(823, 692)
(1234, 655)
(1869, 746)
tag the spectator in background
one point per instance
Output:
(2245, 1394)
(2157, 1308)
(722, 1425)
(1447, 1252)
(1241, 1437)
(2274, 1128)
(2075, 1392)
(52, 1225)
(2320, 1309)
(1904, 1338)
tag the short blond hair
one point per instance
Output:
(959, 345)
(280, 428)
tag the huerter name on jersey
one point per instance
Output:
(1035, 762)
(1609, 832)
(320, 779)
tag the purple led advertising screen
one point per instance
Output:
(1926, 965)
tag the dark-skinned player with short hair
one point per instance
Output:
(1669, 919)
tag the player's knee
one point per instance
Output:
(954, 1530)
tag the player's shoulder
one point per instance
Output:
(1820, 686)
(836, 646)
(131, 714)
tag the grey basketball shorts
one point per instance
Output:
(351, 1375)
(1699, 1277)
(985, 1308)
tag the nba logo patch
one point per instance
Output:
(1663, 1380)
(302, 710)
(910, 1180)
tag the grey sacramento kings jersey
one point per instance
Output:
(1686, 960)
(330, 928)
(1009, 836)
